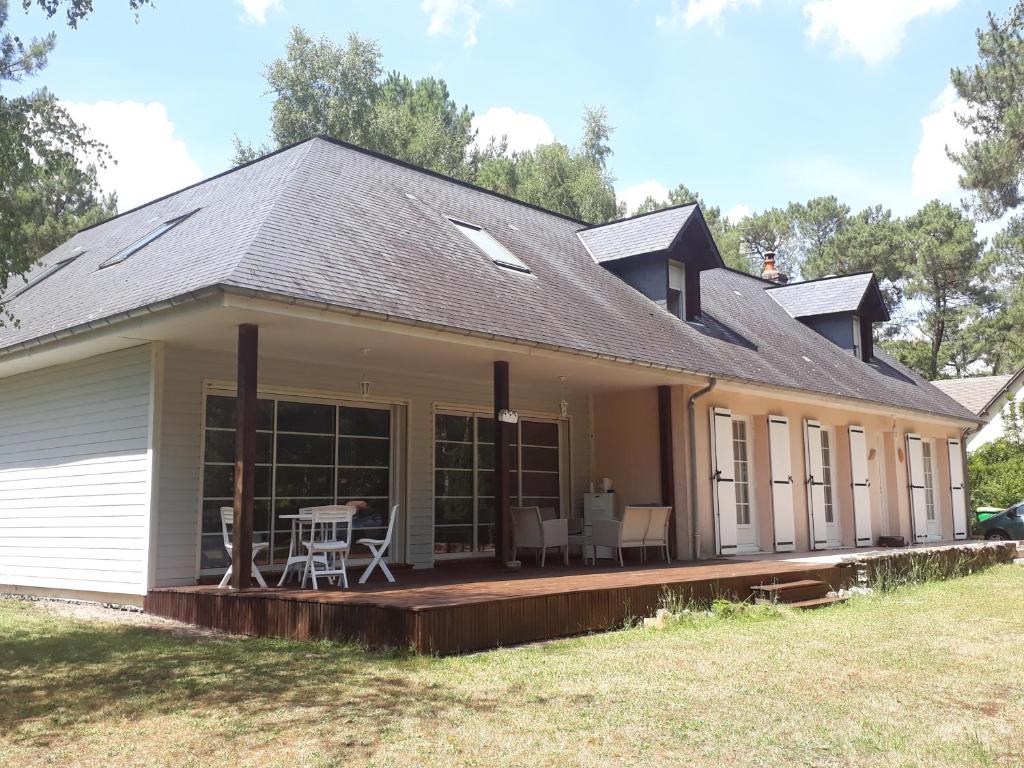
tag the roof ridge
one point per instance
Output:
(829, 277)
(636, 216)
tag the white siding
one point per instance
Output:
(185, 370)
(75, 471)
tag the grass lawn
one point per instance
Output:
(927, 675)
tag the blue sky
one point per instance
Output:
(751, 103)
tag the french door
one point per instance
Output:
(309, 452)
(464, 503)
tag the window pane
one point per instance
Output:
(453, 455)
(457, 428)
(220, 412)
(453, 511)
(540, 433)
(454, 538)
(542, 502)
(219, 481)
(485, 430)
(374, 516)
(364, 451)
(540, 484)
(305, 417)
(304, 481)
(360, 483)
(485, 538)
(448, 482)
(540, 458)
(485, 510)
(305, 449)
(220, 446)
(367, 422)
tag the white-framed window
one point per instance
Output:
(309, 452)
(464, 503)
(856, 337)
(929, 480)
(676, 303)
(741, 471)
(826, 474)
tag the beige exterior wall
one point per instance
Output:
(626, 449)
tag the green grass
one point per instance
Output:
(925, 675)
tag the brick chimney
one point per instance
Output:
(770, 272)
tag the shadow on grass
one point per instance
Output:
(71, 673)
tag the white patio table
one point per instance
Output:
(296, 557)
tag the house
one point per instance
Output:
(987, 397)
(372, 317)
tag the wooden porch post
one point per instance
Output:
(245, 455)
(502, 466)
(666, 462)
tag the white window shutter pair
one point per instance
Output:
(956, 488)
(861, 485)
(723, 482)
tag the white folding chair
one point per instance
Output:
(377, 548)
(227, 524)
(324, 540)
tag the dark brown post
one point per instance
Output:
(245, 455)
(667, 464)
(502, 467)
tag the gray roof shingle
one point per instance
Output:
(821, 297)
(326, 222)
(976, 392)
(646, 233)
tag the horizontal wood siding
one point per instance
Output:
(185, 369)
(75, 475)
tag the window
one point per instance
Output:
(464, 503)
(307, 454)
(498, 253)
(142, 242)
(677, 289)
(48, 272)
(856, 338)
(929, 480)
(741, 471)
(826, 475)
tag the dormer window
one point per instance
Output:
(676, 302)
(856, 338)
(497, 252)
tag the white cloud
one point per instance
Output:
(871, 29)
(445, 15)
(933, 174)
(150, 161)
(256, 10)
(524, 131)
(738, 212)
(635, 194)
(700, 11)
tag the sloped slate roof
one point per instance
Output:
(326, 222)
(821, 297)
(976, 392)
(646, 233)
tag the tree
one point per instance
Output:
(945, 273)
(1003, 341)
(993, 159)
(46, 192)
(996, 473)
(323, 88)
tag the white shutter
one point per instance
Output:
(915, 476)
(815, 484)
(782, 484)
(956, 488)
(861, 486)
(722, 468)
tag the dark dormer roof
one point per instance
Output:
(857, 294)
(646, 233)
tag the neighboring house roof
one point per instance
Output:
(646, 233)
(979, 393)
(828, 295)
(326, 222)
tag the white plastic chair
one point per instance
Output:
(324, 540)
(620, 534)
(377, 548)
(657, 529)
(227, 524)
(530, 529)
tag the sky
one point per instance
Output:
(750, 103)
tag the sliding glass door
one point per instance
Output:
(464, 502)
(309, 453)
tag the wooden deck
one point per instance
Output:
(459, 608)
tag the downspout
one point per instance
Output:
(690, 402)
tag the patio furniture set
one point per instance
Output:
(321, 539)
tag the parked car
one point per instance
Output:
(1005, 525)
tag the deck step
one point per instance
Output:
(786, 585)
(790, 591)
(818, 602)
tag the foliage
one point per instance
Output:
(47, 193)
(993, 159)
(996, 473)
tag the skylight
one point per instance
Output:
(142, 242)
(497, 252)
(49, 271)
